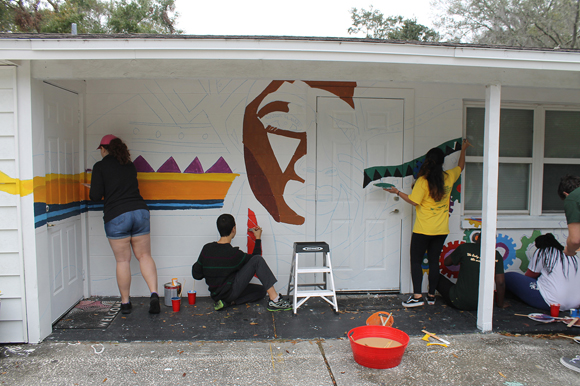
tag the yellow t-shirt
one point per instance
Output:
(433, 216)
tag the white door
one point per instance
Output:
(62, 146)
(361, 226)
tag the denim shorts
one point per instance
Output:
(129, 224)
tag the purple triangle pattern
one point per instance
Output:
(142, 166)
(221, 166)
(170, 166)
(194, 167)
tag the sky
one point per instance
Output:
(321, 18)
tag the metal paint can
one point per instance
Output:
(575, 313)
(172, 290)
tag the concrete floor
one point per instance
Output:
(470, 359)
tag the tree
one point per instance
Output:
(91, 16)
(523, 23)
(376, 26)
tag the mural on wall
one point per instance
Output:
(60, 196)
(265, 176)
(252, 222)
(170, 189)
(179, 128)
(505, 244)
(410, 168)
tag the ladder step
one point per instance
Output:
(301, 294)
(314, 270)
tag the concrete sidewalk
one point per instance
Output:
(471, 359)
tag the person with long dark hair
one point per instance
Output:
(126, 216)
(552, 277)
(430, 197)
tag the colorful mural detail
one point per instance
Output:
(252, 222)
(451, 271)
(265, 176)
(15, 186)
(508, 246)
(410, 168)
(169, 189)
(60, 196)
(521, 253)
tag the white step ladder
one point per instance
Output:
(324, 289)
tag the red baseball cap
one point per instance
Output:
(106, 140)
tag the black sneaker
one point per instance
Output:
(126, 308)
(154, 304)
(430, 300)
(412, 302)
(281, 305)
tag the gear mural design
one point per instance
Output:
(451, 271)
(476, 222)
(425, 264)
(468, 235)
(521, 253)
(509, 247)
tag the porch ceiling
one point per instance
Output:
(116, 57)
(303, 70)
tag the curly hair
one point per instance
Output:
(432, 170)
(568, 184)
(118, 149)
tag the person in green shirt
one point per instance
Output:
(465, 293)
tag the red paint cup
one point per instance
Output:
(176, 303)
(555, 310)
(191, 295)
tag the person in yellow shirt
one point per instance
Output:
(430, 197)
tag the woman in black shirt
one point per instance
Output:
(126, 216)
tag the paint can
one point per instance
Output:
(172, 290)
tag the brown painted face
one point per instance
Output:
(265, 176)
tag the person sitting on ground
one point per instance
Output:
(464, 294)
(570, 194)
(228, 271)
(552, 277)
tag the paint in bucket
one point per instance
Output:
(172, 290)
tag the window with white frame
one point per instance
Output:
(538, 145)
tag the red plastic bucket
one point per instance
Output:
(375, 357)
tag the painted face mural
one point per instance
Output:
(265, 176)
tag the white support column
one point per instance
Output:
(489, 210)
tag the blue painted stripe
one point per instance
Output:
(58, 212)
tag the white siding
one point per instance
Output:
(12, 316)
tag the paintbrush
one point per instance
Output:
(435, 336)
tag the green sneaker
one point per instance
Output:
(280, 305)
(219, 305)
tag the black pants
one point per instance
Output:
(242, 290)
(444, 286)
(419, 245)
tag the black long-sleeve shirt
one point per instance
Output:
(118, 185)
(218, 264)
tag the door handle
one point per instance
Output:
(49, 225)
(394, 211)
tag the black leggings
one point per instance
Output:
(419, 245)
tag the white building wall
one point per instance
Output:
(185, 119)
(12, 309)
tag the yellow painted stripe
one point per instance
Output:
(14, 185)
